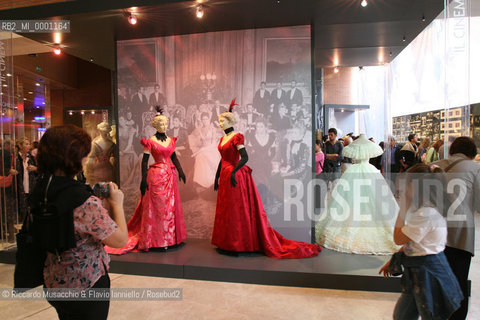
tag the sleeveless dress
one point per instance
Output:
(360, 215)
(158, 219)
(241, 223)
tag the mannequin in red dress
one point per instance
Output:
(241, 224)
(158, 219)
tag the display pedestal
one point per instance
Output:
(199, 260)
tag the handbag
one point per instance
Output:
(30, 259)
(30, 256)
(6, 182)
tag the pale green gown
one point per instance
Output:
(361, 211)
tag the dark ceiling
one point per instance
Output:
(343, 29)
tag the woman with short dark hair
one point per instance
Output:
(82, 263)
(465, 146)
(464, 175)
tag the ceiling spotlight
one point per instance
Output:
(335, 69)
(70, 113)
(423, 18)
(91, 59)
(93, 112)
(37, 84)
(199, 13)
(82, 112)
(403, 39)
(132, 19)
(390, 53)
(56, 49)
(364, 3)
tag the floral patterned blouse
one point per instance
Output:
(82, 266)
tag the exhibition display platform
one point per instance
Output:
(197, 259)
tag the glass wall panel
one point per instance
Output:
(426, 91)
(8, 190)
(25, 115)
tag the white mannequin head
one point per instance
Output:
(104, 128)
(226, 120)
(160, 123)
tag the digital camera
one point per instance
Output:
(101, 190)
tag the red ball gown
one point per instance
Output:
(158, 219)
(241, 223)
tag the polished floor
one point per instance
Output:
(225, 300)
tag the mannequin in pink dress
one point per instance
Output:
(158, 219)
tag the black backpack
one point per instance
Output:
(48, 227)
(30, 256)
(30, 259)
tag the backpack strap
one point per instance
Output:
(46, 189)
(453, 164)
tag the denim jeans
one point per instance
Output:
(409, 308)
(429, 289)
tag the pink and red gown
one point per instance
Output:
(241, 223)
(158, 219)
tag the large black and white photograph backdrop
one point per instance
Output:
(194, 78)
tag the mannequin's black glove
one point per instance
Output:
(241, 163)
(217, 176)
(233, 182)
(176, 162)
(143, 187)
(182, 177)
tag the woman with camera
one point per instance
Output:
(82, 262)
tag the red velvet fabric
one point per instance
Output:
(241, 223)
(158, 219)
